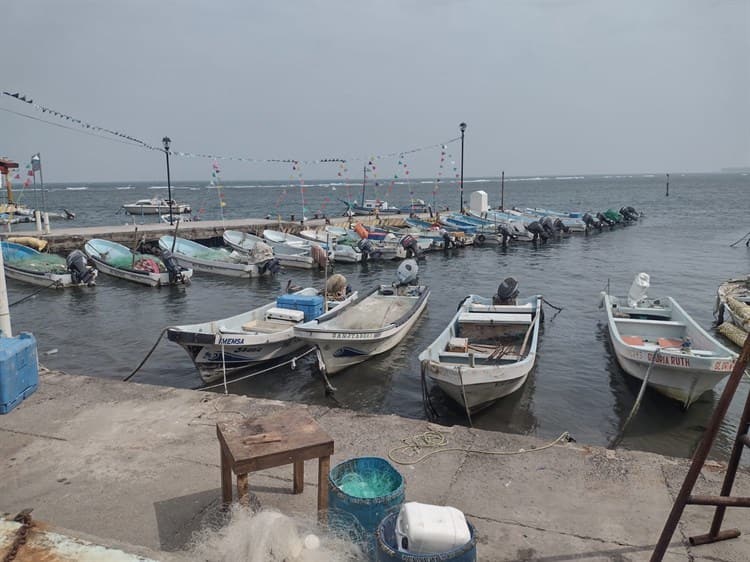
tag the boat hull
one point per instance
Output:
(648, 339)
(52, 280)
(481, 387)
(213, 360)
(341, 349)
(241, 270)
(155, 210)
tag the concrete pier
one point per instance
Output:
(68, 239)
(138, 464)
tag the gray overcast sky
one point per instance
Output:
(546, 87)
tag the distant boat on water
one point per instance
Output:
(156, 206)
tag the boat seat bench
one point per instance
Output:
(645, 321)
(493, 318)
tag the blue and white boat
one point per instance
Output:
(219, 260)
(119, 261)
(262, 335)
(48, 270)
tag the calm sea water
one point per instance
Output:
(683, 242)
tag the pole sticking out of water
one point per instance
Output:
(4, 308)
(667, 185)
(502, 190)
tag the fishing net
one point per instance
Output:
(270, 536)
(42, 263)
(368, 485)
(142, 262)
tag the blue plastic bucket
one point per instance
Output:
(366, 512)
(386, 549)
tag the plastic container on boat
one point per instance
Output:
(387, 548)
(346, 508)
(430, 529)
(360, 229)
(638, 289)
(285, 314)
(19, 370)
(311, 305)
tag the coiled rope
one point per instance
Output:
(437, 441)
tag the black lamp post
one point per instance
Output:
(165, 141)
(462, 126)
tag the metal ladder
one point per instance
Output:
(724, 500)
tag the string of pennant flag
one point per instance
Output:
(294, 161)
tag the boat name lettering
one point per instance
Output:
(723, 365)
(675, 360)
(231, 341)
(345, 336)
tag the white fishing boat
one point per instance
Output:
(486, 352)
(288, 256)
(261, 335)
(291, 242)
(656, 336)
(278, 237)
(119, 261)
(47, 270)
(156, 206)
(220, 260)
(372, 325)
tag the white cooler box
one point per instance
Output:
(430, 529)
(285, 314)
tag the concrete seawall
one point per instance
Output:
(139, 464)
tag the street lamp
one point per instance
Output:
(462, 126)
(165, 141)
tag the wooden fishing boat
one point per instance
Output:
(262, 335)
(119, 261)
(656, 336)
(486, 352)
(156, 206)
(219, 260)
(372, 325)
(48, 270)
(288, 256)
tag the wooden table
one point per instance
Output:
(287, 437)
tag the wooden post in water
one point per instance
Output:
(667, 185)
(502, 190)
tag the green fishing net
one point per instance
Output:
(42, 263)
(127, 262)
(369, 484)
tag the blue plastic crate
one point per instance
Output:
(19, 370)
(311, 305)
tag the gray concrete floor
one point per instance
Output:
(138, 464)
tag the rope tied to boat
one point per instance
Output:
(437, 441)
(138, 368)
(616, 441)
(35, 293)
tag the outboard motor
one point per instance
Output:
(507, 292)
(407, 273)
(537, 230)
(80, 272)
(548, 224)
(448, 240)
(507, 234)
(629, 213)
(590, 223)
(175, 271)
(410, 244)
(271, 266)
(365, 246)
(560, 226)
